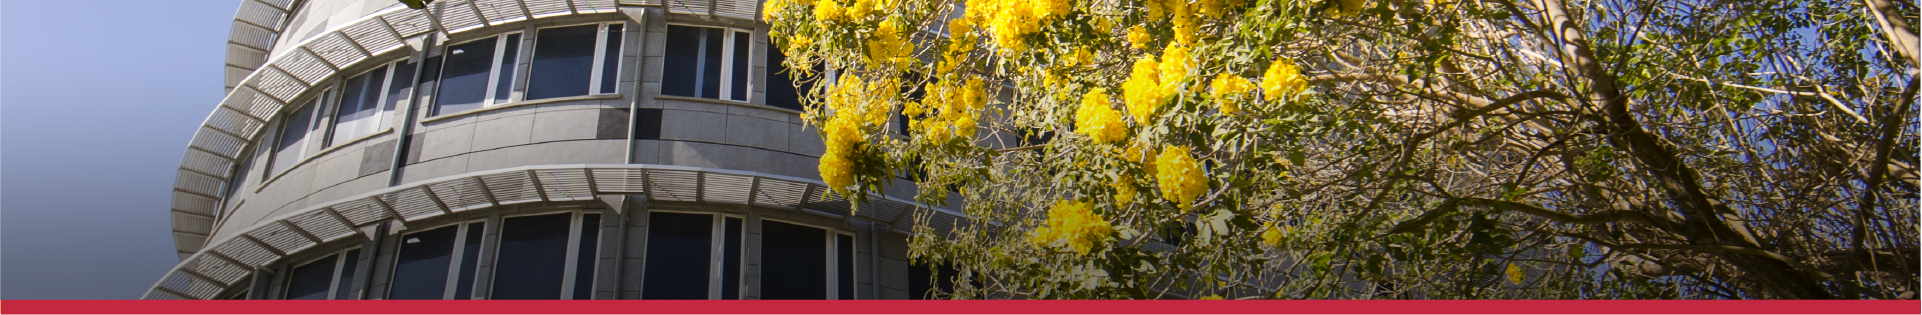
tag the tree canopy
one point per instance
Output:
(1380, 149)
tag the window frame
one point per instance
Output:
(493, 73)
(595, 70)
(573, 247)
(454, 257)
(334, 286)
(319, 105)
(380, 115)
(833, 264)
(717, 255)
(728, 50)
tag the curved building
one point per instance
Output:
(520, 149)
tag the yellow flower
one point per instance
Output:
(1229, 87)
(1270, 235)
(1515, 274)
(1143, 91)
(1124, 191)
(860, 9)
(1174, 68)
(1186, 28)
(1282, 78)
(1072, 224)
(843, 138)
(1212, 297)
(1179, 176)
(1138, 36)
(827, 10)
(770, 11)
(1098, 120)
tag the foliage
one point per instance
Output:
(1381, 149)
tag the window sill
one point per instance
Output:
(323, 152)
(726, 102)
(495, 107)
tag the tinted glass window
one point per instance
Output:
(292, 131)
(463, 77)
(681, 68)
(504, 84)
(420, 270)
(793, 262)
(584, 256)
(731, 259)
(711, 62)
(780, 88)
(397, 89)
(924, 279)
(344, 283)
(311, 281)
(563, 62)
(738, 85)
(469, 261)
(611, 58)
(359, 100)
(844, 257)
(678, 252)
(532, 257)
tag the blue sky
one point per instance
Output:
(97, 102)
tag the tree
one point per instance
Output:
(1382, 149)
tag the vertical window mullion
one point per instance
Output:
(700, 66)
(378, 118)
(594, 74)
(573, 242)
(454, 262)
(494, 72)
(716, 253)
(727, 66)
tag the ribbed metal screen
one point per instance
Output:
(208, 274)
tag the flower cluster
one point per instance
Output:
(857, 106)
(960, 42)
(1138, 37)
(1227, 91)
(886, 45)
(1152, 81)
(1281, 79)
(1072, 224)
(1179, 176)
(1097, 119)
(1010, 20)
(949, 110)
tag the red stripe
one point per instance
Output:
(967, 308)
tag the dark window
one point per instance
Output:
(563, 62)
(420, 270)
(357, 113)
(293, 133)
(344, 280)
(532, 258)
(793, 262)
(678, 252)
(398, 89)
(781, 91)
(469, 261)
(681, 70)
(924, 279)
(731, 259)
(737, 76)
(584, 255)
(464, 76)
(504, 83)
(313, 280)
(697, 63)
(611, 58)
(844, 257)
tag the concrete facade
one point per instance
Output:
(635, 126)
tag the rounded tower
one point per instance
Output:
(520, 149)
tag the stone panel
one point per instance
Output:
(502, 132)
(571, 124)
